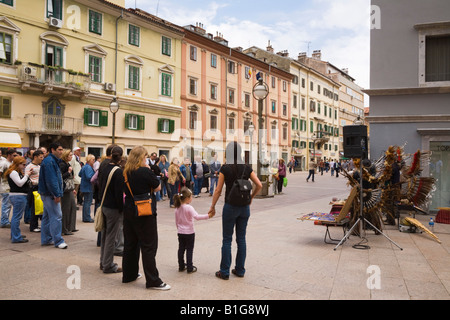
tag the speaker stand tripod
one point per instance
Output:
(361, 218)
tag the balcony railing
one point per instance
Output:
(50, 124)
(54, 79)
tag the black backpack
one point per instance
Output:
(241, 191)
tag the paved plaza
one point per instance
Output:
(287, 259)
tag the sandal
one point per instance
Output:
(222, 276)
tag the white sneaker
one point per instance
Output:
(62, 245)
(162, 286)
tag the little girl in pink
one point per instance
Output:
(184, 219)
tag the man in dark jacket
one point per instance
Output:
(50, 188)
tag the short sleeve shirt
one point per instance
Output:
(232, 172)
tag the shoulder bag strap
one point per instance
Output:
(107, 183)
(128, 185)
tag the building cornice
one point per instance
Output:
(406, 91)
(409, 118)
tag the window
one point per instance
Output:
(295, 126)
(193, 53)
(312, 106)
(54, 57)
(248, 72)
(166, 125)
(166, 84)
(284, 86)
(273, 82)
(213, 122)
(5, 107)
(274, 131)
(95, 22)
(231, 67)
(284, 109)
(274, 107)
(231, 96)
(285, 133)
(95, 68)
(5, 48)
(133, 35)
(166, 46)
(8, 2)
(303, 103)
(303, 82)
(133, 77)
(192, 119)
(231, 124)
(134, 122)
(294, 100)
(437, 58)
(213, 60)
(247, 100)
(95, 117)
(193, 86)
(295, 80)
(318, 88)
(311, 86)
(213, 91)
(54, 9)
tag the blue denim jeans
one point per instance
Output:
(173, 190)
(87, 203)
(6, 209)
(213, 184)
(19, 203)
(51, 224)
(198, 185)
(234, 217)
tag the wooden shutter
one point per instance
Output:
(103, 119)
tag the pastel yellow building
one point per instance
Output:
(62, 63)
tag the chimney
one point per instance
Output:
(317, 55)
(219, 38)
(199, 28)
(283, 53)
(302, 57)
(270, 48)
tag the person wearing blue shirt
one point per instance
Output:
(50, 188)
(86, 173)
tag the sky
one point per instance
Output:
(339, 28)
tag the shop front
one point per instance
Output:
(440, 170)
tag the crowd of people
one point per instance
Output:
(55, 177)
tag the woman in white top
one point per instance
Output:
(18, 183)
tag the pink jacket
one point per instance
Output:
(184, 218)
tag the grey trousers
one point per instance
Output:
(113, 221)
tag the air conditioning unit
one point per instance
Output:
(30, 71)
(54, 22)
(109, 86)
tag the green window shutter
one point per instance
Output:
(86, 116)
(127, 121)
(133, 35)
(311, 126)
(95, 22)
(160, 125)
(166, 46)
(141, 122)
(166, 82)
(133, 77)
(103, 118)
(171, 126)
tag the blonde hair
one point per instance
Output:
(65, 155)
(90, 157)
(134, 160)
(184, 194)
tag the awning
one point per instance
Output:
(10, 139)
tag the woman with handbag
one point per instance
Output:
(234, 215)
(18, 184)
(112, 209)
(68, 202)
(281, 175)
(140, 232)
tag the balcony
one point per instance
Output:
(321, 137)
(53, 80)
(50, 124)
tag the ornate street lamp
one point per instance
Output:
(260, 92)
(114, 107)
(251, 129)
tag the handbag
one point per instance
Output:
(38, 204)
(241, 190)
(69, 184)
(143, 202)
(99, 219)
(285, 181)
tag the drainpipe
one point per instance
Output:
(115, 69)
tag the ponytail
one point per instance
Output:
(180, 197)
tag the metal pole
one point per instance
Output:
(260, 128)
(114, 128)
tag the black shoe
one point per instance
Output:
(21, 241)
(222, 276)
(194, 269)
(236, 274)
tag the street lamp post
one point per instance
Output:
(260, 92)
(251, 129)
(114, 107)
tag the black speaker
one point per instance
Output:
(355, 141)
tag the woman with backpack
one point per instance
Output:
(236, 210)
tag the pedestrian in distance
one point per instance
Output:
(312, 170)
(281, 174)
(86, 173)
(184, 219)
(214, 169)
(4, 187)
(140, 233)
(32, 170)
(68, 201)
(233, 216)
(19, 187)
(51, 190)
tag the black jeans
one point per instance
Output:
(185, 244)
(311, 173)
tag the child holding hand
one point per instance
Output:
(184, 219)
